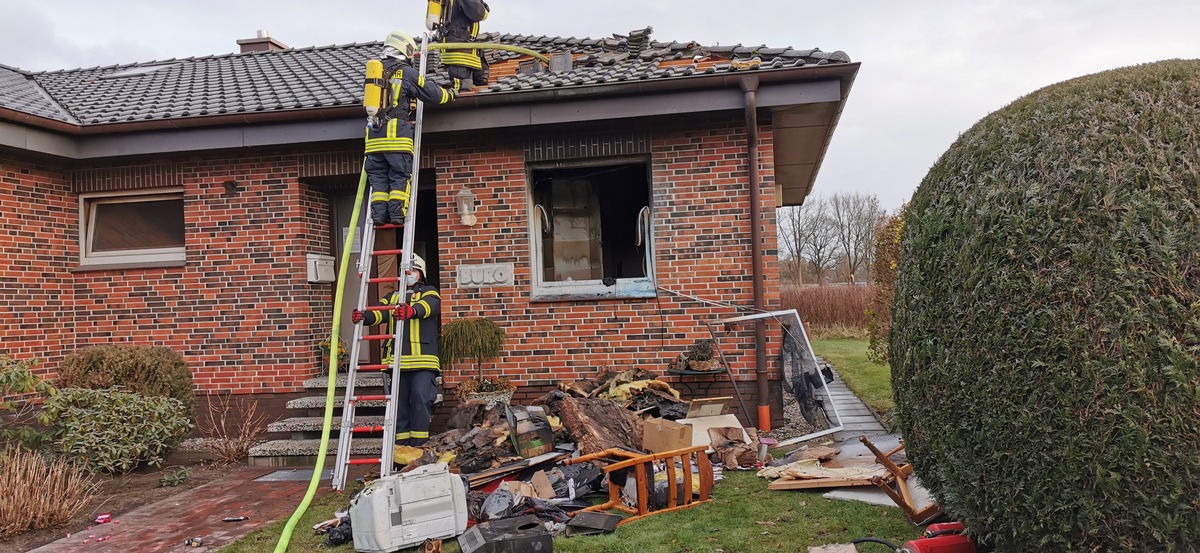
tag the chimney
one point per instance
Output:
(262, 43)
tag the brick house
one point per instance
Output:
(178, 202)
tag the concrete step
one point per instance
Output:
(318, 402)
(313, 424)
(281, 453)
(363, 380)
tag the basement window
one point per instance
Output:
(593, 230)
(131, 228)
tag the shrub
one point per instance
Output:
(113, 431)
(232, 428)
(884, 262)
(475, 339)
(173, 478)
(39, 492)
(146, 370)
(1045, 346)
(829, 306)
(20, 391)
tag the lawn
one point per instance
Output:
(743, 517)
(870, 381)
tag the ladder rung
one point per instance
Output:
(379, 308)
(377, 280)
(390, 225)
(369, 398)
(378, 337)
(387, 252)
(363, 462)
(370, 367)
(367, 429)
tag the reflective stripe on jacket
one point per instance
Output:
(463, 26)
(419, 335)
(404, 85)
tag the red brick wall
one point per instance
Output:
(38, 221)
(702, 241)
(241, 311)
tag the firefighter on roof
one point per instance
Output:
(458, 21)
(393, 86)
(419, 361)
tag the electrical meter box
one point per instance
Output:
(403, 510)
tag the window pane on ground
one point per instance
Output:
(593, 221)
(123, 225)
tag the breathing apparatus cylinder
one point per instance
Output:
(373, 92)
(433, 15)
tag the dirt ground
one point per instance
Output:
(121, 494)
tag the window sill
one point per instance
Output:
(593, 290)
(87, 267)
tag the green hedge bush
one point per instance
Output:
(113, 430)
(146, 370)
(1046, 327)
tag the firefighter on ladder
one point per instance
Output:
(419, 361)
(390, 129)
(458, 21)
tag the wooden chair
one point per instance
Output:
(620, 460)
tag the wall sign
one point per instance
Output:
(485, 274)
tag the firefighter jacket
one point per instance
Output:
(463, 26)
(419, 335)
(403, 85)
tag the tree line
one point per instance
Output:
(829, 239)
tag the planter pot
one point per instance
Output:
(710, 365)
(491, 398)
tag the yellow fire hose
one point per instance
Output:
(487, 46)
(331, 389)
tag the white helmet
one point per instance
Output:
(418, 263)
(401, 42)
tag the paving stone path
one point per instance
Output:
(857, 419)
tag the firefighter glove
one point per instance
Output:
(356, 316)
(453, 92)
(405, 312)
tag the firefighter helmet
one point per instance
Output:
(418, 263)
(401, 42)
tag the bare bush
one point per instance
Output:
(60, 493)
(829, 306)
(232, 428)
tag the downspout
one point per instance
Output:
(749, 85)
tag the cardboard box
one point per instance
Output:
(659, 435)
(531, 433)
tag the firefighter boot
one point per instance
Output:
(397, 209)
(379, 213)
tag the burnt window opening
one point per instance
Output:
(593, 225)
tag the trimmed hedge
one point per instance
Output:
(147, 370)
(1045, 346)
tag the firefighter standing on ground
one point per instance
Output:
(390, 131)
(460, 23)
(419, 361)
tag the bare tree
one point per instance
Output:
(808, 233)
(854, 218)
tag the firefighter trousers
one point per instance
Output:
(414, 406)
(389, 174)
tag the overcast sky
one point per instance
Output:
(930, 68)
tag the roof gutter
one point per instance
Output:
(841, 71)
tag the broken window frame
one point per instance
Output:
(89, 204)
(592, 289)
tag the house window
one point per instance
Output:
(592, 229)
(124, 227)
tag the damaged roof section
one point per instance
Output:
(298, 79)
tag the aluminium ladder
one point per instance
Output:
(367, 255)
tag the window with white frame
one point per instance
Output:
(131, 227)
(592, 230)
